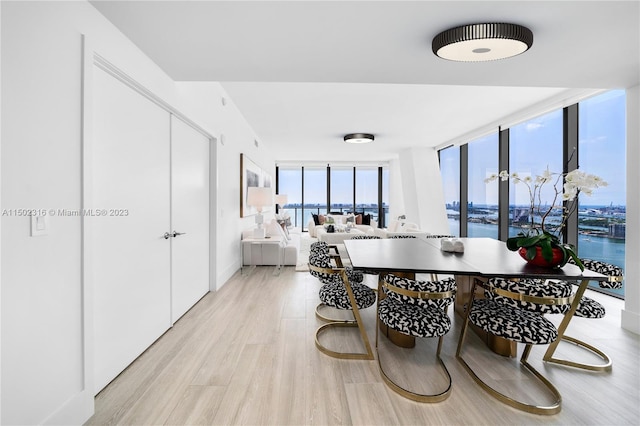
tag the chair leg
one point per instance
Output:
(368, 355)
(438, 397)
(551, 409)
(324, 318)
(606, 366)
(548, 356)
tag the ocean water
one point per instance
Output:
(590, 247)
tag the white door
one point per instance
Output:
(131, 259)
(189, 216)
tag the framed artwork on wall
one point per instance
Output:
(251, 175)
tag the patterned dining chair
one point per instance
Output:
(514, 310)
(418, 309)
(342, 289)
(592, 309)
(400, 236)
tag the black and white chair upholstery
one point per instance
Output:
(419, 309)
(513, 310)
(365, 237)
(342, 289)
(399, 236)
(592, 309)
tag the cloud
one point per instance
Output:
(597, 139)
(530, 127)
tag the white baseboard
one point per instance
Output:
(630, 321)
(76, 411)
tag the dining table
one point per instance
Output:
(482, 258)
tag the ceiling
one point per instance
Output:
(305, 73)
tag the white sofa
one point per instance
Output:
(267, 254)
(340, 220)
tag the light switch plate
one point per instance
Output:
(39, 226)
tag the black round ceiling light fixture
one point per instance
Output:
(482, 42)
(359, 138)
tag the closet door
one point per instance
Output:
(189, 216)
(131, 258)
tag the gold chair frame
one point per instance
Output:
(332, 323)
(551, 409)
(418, 397)
(338, 261)
(607, 363)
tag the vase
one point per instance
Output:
(538, 260)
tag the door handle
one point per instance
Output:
(167, 235)
(175, 234)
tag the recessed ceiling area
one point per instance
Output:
(305, 73)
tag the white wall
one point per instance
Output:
(631, 311)
(202, 101)
(396, 197)
(44, 374)
(422, 189)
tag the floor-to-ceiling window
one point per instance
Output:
(482, 212)
(290, 184)
(534, 146)
(542, 143)
(601, 146)
(450, 170)
(348, 188)
(341, 189)
(367, 191)
(315, 192)
(385, 199)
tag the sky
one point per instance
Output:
(537, 143)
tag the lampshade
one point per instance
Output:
(482, 42)
(281, 199)
(359, 138)
(259, 197)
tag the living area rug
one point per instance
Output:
(303, 256)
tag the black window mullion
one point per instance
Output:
(354, 189)
(464, 189)
(380, 207)
(570, 162)
(503, 187)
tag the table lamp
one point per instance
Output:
(259, 197)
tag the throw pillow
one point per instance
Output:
(316, 220)
(366, 219)
(321, 219)
(358, 219)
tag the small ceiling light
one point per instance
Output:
(482, 42)
(359, 138)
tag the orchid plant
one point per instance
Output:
(565, 198)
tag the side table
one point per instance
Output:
(258, 243)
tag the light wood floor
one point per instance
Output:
(246, 355)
